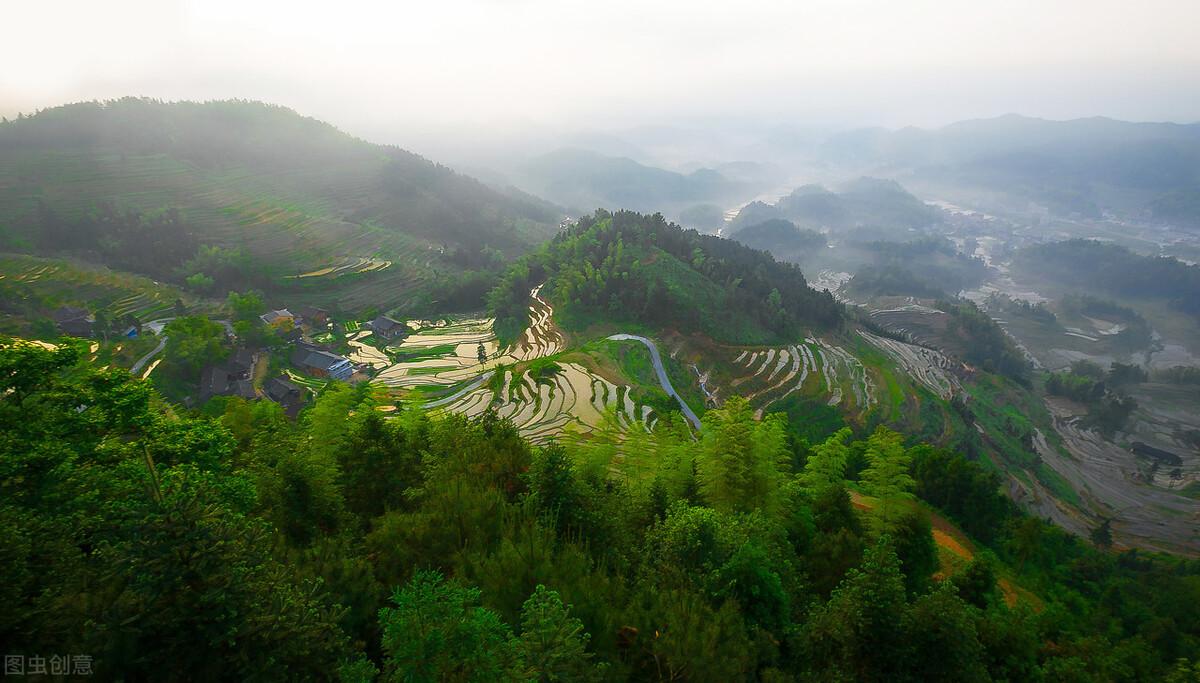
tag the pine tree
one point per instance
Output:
(887, 478)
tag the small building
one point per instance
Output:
(234, 377)
(286, 393)
(388, 328)
(244, 388)
(320, 363)
(214, 381)
(313, 316)
(279, 318)
(74, 322)
(241, 363)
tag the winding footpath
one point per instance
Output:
(662, 375)
(146, 358)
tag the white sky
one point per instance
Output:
(389, 70)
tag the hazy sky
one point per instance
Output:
(398, 70)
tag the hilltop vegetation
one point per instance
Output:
(440, 548)
(628, 267)
(929, 267)
(248, 194)
(781, 238)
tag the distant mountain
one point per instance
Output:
(1081, 166)
(289, 194)
(782, 238)
(867, 202)
(585, 180)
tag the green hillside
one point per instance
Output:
(635, 269)
(293, 204)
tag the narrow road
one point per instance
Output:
(137, 367)
(662, 375)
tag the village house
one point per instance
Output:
(234, 377)
(74, 322)
(313, 316)
(286, 393)
(388, 328)
(279, 318)
(318, 363)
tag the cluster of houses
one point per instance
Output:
(73, 321)
(235, 375)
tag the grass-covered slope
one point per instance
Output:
(287, 194)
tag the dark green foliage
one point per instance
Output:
(963, 489)
(985, 342)
(437, 631)
(893, 280)
(998, 301)
(1136, 333)
(254, 547)
(193, 343)
(148, 556)
(554, 643)
(860, 633)
(1087, 383)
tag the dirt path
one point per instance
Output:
(146, 358)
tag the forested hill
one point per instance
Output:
(876, 206)
(1115, 270)
(289, 194)
(632, 268)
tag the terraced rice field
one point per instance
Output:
(572, 398)
(446, 357)
(117, 295)
(931, 368)
(345, 267)
(812, 367)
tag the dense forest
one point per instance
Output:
(236, 544)
(633, 267)
(1116, 270)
